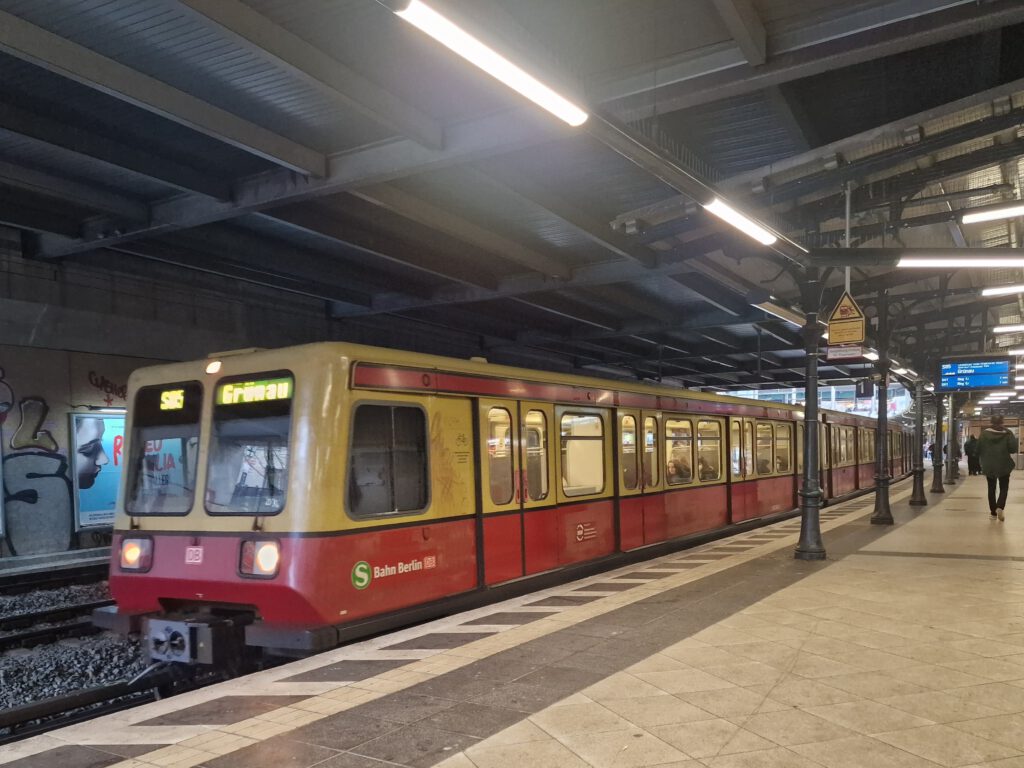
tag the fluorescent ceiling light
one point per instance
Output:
(899, 371)
(950, 262)
(744, 224)
(782, 312)
(1018, 378)
(1017, 328)
(993, 214)
(871, 355)
(1002, 290)
(1015, 351)
(490, 61)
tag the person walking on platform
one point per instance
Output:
(996, 450)
(971, 449)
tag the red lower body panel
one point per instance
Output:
(757, 498)
(569, 534)
(843, 480)
(322, 579)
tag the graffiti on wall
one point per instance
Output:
(37, 490)
(109, 389)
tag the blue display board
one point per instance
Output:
(96, 463)
(966, 374)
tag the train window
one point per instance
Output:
(536, 455)
(388, 461)
(735, 450)
(499, 454)
(651, 470)
(628, 457)
(783, 443)
(249, 445)
(678, 451)
(709, 451)
(582, 454)
(748, 449)
(765, 448)
(164, 448)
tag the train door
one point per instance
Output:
(630, 444)
(743, 495)
(501, 490)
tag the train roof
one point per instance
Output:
(360, 353)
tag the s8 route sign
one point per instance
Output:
(968, 374)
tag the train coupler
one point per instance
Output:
(212, 640)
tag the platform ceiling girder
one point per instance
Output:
(266, 39)
(861, 37)
(30, 43)
(372, 165)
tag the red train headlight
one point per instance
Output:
(260, 558)
(136, 554)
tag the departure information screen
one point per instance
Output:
(980, 373)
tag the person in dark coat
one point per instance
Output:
(997, 449)
(971, 449)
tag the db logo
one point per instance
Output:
(361, 575)
(193, 555)
(580, 531)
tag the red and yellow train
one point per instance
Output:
(291, 498)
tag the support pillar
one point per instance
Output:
(810, 546)
(917, 497)
(937, 454)
(882, 514)
(948, 445)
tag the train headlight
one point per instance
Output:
(260, 558)
(136, 554)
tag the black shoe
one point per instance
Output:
(992, 514)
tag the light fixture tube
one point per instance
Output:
(993, 214)
(1015, 328)
(950, 262)
(782, 312)
(490, 61)
(899, 371)
(1002, 290)
(871, 355)
(744, 224)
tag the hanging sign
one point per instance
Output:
(850, 352)
(846, 323)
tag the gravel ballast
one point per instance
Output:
(43, 599)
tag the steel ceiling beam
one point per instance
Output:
(81, 195)
(597, 231)
(258, 34)
(375, 164)
(240, 269)
(343, 232)
(523, 285)
(56, 54)
(746, 28)
(905, 26)
(411, 207)
(111, 152)
(24, 216)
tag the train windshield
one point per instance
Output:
(249, 445)
(164, 448)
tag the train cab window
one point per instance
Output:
(582, 454)
(783, 447)
(388, 461)
(249, 445)
(164, 449)
(536, 455)
(678, 451)
(499, 455)
(735, 450)
(628, 456)
(765, 449)
(651, 468)
(709, 451)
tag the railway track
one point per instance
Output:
(20, 582)
(24, 631)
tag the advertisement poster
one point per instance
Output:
(96, 459)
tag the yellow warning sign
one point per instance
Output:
(846, 323)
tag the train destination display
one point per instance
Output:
(964, 374)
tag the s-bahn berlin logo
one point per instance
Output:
(363, 573)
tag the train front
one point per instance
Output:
(209, 553)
